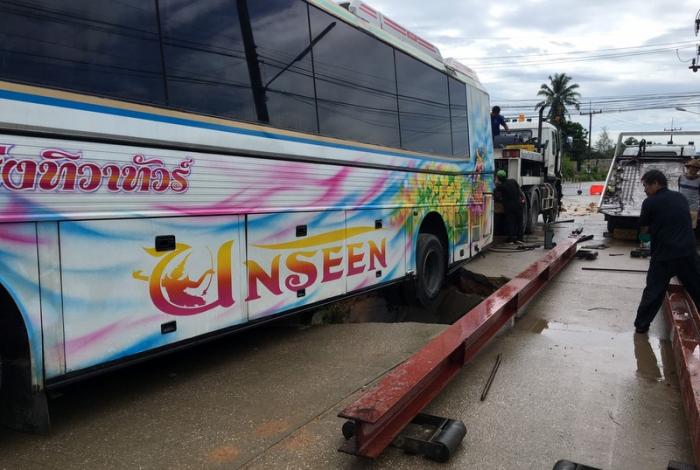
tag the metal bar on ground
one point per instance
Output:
(615, 270)
(378, 416)
(682, 316)
(487, 386)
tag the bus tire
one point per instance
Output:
(431, 267)
(22, 407)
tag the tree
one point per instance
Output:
(631, 141)
(604, 145)
(557, 97)
(579, 136)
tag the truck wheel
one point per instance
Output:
(533, 213)
(430, 269)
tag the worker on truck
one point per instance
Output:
(665, 221)
(508, 193)
(497, 121)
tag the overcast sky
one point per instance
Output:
(475, 32)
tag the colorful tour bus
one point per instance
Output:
(173, 170)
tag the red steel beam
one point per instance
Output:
(381, 414)
(682, 315)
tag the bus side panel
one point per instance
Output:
(19, 274)
(133, 285)
(480, 138)
(417, 216)
(375, 256)
(294, 259)
(487, 221)
(51, 300)
(481, 223)
(462, 249)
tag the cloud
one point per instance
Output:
(480, 33)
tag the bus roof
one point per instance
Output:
(364, 17)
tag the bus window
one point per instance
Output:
(458, 115)
(355, 83)
(281, 34)
(104, 48)
(423, 106)
(204, 58)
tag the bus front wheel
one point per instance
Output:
(430, 269)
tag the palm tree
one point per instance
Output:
(557, 97)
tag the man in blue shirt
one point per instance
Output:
(665, 221)
(497, 121)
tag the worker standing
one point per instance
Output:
(665, 220)
(689, 186)
(511, 198)
(497, 121)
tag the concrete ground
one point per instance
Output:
(575, 382)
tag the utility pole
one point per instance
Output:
(671, 130)
(694, 67)
(590, 114)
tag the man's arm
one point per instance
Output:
(503, 122)
(644, 222)
(498, 193)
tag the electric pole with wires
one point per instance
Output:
(590, 114)
(672, 130)
(695, 63)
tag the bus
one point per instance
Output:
(172, 171)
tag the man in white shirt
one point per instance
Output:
(689, 186)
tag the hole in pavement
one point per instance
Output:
(463, 291)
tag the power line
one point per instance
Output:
(493, 66)
(590, 51)
(615, 104)
(515, 111)
(596, 99)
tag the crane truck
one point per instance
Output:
(530, 153)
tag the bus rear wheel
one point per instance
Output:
(431, 266)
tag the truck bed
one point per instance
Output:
(624, 193)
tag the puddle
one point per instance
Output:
(539, 326)
(647, 362)
(654, 358)
(551, 328)
(622, 354)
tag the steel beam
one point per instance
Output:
(380, 415)
(682, 316)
